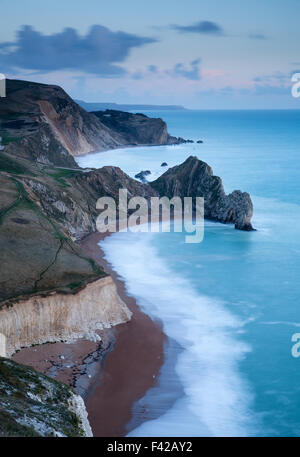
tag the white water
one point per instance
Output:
(216, 399)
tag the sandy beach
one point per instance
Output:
(113, 374)
(130, 368)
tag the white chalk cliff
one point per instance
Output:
(61, 317)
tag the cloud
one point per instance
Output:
(274, 78)
(152, 68)
(192, 73)
(253, 90)
(98, 52)
(203, 27)
(257, 36)
(137, 75)
(267, 89)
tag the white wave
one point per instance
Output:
(291, 324)
(217, 400)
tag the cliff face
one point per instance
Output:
(41, 122)
(195, 178)
(32, 404)
(43, 210)
(137, 129)
(62, 317)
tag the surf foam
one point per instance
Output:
(217, 399)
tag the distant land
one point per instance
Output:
(95, 106)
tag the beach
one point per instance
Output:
(113, 374)
(131, 368)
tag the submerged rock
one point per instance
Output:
(183, 141)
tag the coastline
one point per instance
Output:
(124, 146)
(110, 375)
(131, 367)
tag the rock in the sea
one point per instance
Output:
(195, 178)
(142, 175)
(183, 141)
(199, 141)
(164, 164)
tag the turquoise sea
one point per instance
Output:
(230, 304)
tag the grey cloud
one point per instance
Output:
(275, 77)
(203, 27)
(192, 73)
(152, 68)
(257, 36)
(137, 75)
(256, 90)
(267, 89)
(98, 52)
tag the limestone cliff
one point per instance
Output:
(195, 178)
(137, 129)
(62, 317)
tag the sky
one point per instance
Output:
(211, 54)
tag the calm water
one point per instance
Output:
(231, 303)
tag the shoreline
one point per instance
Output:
(131, 367)
(110, 375)
(128, 146)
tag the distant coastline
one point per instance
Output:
(100, 106)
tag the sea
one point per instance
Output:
(230, 305)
